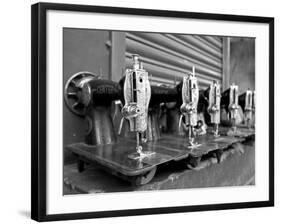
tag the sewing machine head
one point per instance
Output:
(246, 102)
(160, 96)
(137, 93)
(214, 99)
(233, 102)
(190, 98)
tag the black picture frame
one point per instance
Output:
(38, 108)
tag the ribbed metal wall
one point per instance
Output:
(167, 57)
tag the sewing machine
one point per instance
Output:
(137, 93)
(214, 98)
(229, 102)
(246, 103)
(190, 97)
(254, 106)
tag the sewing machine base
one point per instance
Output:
(206, 144)
(241, 132)
(115, 158)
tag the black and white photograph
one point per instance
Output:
(157, 111)
(140, 112)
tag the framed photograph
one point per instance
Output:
(138, 111)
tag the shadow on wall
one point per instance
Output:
(242, 63)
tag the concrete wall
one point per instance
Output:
(242, 63)
(83, 50)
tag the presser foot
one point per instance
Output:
(216, 134)
(216, 131)
(250, 127)
(233, 132)
(139, 154)
(191, 144)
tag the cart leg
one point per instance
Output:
(218, 154)
(143, 179)
(193, 162)
(80, 165)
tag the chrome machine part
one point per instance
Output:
(77, 92)
(137, 93)
(254, 100)
(214, 100)
(190, 98)
(246, 102)
(253, 106)
(233, 105)
(248, 109)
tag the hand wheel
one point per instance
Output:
(77, 93)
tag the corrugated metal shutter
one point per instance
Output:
(167, 57)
